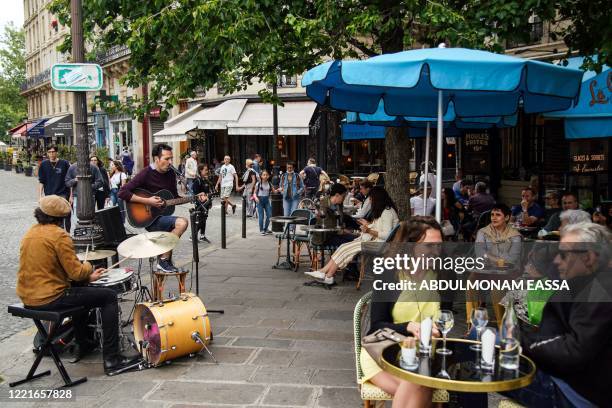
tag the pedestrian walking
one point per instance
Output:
(102, 194)
(263, 188)
(51, 179)
(127, 160)
(117, 179)
(257, 164)
(249, 179)
(227, 179)
(203, 184)
(71, 183)
(311, 175)
(191, 170)
(291, 186)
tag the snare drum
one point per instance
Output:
(167, 329)
(121, 280)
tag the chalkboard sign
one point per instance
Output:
(589, 156)
(475, 153)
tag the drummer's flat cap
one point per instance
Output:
(54, 206)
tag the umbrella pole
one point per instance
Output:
(439, 160)
(427, 142)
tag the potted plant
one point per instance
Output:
(28, 168)
(2, 158)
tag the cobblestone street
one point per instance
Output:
(17, 203)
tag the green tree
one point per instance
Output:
(181, 45)
(13, 107)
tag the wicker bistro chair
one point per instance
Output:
(292, 232)
(300, 236)
(369, 250)
(368, 391)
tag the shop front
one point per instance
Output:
(58, 130)
(363, 149)
(122, 134)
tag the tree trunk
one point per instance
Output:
(397, 182)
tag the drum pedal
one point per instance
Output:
(195, 336)
(138, 365)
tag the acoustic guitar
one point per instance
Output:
(142, 215)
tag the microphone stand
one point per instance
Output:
(193, 218)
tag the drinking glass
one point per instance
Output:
(509, 353)
(445, 322)
(409, 359)
(479, 319)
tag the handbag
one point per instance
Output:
(376, 342)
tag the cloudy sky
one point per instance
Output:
(12, 10)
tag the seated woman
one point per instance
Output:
(404, 316)
(500, 244)
(384, 216)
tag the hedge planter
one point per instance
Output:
(8, 167)
(28, 171)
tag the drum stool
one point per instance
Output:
(56, 318)
(160, 281)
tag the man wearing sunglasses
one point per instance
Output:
(572, 347)
(51, 175)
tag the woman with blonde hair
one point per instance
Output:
(404, 314)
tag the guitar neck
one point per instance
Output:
(178, 201)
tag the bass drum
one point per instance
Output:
(170, 328)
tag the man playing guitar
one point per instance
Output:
(158, 176)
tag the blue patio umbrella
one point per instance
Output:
(592, 115)
(452, 125)
(422, 83)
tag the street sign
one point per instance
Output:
(76, 77)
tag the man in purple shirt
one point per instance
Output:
(158, 176)
(481, 201)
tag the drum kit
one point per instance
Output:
(163, 330)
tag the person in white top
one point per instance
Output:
(417, 203)
(364, 188)
(191, 170)
(117, 179)
(227, 179)
(385, 218)
(431, 178)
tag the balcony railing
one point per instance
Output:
(536, 32)
(36, 80)
(113, 53)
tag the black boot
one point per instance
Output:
(117, 362)
(81, 351)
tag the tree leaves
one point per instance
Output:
(13, 107)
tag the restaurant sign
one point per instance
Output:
(589, 157)
(476, 142)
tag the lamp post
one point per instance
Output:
(85, 231)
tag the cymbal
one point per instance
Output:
(148, 244)
(95, 255)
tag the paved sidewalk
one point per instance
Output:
(278, 343)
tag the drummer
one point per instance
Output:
(159, 176)
(48, 264)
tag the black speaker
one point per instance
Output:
(112, 227)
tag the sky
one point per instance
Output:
(12, 10)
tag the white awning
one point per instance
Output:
(256, 119)
(175, 129)
(220, 116)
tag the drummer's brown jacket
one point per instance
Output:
(47, 264)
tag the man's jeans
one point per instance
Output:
(289, 205)
(90, 298)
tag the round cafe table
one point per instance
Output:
(287, 263)
(458, 372)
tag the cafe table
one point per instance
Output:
(458, 371)
(287, 263)
(322, 229)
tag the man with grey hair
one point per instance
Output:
(569, 217)
(573, 346)
(481, 201)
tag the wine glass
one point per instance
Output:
(445, 322)
(479, 319)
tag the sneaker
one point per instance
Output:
(204, 239)
(234, 209)
(329, 281)
(263, 233)
(165, 265)
(268, 232)
(316, 274)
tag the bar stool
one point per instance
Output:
(160, 281)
